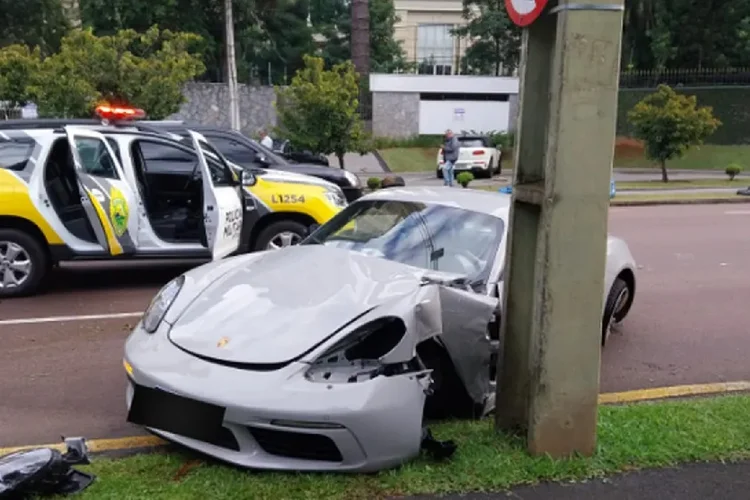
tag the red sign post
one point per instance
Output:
(524, 12)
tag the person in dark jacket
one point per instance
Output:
(450, 156)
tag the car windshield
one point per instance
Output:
(270, 155)
(429, 236)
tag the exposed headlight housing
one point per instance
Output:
(161, 303)
(336, 197)
(352, 178)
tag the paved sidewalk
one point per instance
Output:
(690, 482)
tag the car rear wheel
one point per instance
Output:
(280, 234)
(615, 308)
(23, 263)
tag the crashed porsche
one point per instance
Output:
(330, 355)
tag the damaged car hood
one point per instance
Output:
(283, 303)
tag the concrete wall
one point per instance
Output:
(395, 114)
(208, 103)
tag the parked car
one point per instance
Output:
(284, 148)
(386, 314)
(477, 155)
(243, 151)
(81, 192)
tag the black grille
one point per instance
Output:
(296, 445)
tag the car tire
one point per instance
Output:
(31, 251)
(617, 301)
(284, 231)
(449, 398)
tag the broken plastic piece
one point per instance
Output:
(437, 450)
(44, 471)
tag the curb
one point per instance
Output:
(694, 201)
(148, 443)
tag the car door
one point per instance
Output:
(222, 200)
(106, 195)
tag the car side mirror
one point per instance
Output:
(248, 178)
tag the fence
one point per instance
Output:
(726, 90)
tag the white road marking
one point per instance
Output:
(63, 319)
(737, 212)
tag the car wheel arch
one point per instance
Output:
(275, 217)
(28, 227)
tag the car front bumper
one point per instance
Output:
(272, 419)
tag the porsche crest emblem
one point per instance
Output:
(222, 342)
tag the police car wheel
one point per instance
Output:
(23, 263)
(281, 234)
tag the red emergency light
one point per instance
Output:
(118, 113)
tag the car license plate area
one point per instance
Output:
(186, 417)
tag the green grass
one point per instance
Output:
(630, 436)
(706, 157)
(410, 159)
(683, 184)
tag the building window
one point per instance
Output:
(435, 49)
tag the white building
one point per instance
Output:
(406, 105)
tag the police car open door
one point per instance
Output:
(222, 202)
(106, 195)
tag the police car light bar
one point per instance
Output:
(115, 113)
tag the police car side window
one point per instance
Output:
(95, 158)
(15, 154)
(165, 159)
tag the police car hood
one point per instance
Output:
(274, 175)
(280, 304)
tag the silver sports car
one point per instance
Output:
(330, 355)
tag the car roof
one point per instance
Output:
(487, 202)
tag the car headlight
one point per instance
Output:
(353, 179)
(161, 303)
(336, 198)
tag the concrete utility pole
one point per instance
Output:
(548, 382)
(234, 107)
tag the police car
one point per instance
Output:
(83, 192)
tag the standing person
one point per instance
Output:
(450, 156)
(265, 139)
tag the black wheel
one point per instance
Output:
(439, 173)
(280, 234)
(23, 263)
(616, 307)
(449, 398)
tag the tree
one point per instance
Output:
(36, 23)
(332, 18)
(147, 70)
(670, 124)
(496, 46)
(318, 110)
(19, 65)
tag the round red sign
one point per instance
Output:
(524, 12)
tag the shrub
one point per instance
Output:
(464, 178)
(373, 183)
(670, 124)
(733, 171)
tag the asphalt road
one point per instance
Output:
(689, 325)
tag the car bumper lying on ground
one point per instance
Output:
(271, 419)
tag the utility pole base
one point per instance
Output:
(548, 381)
